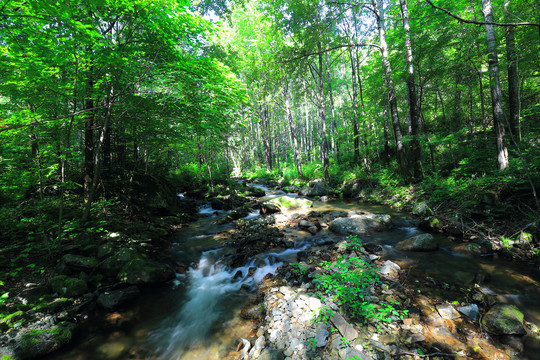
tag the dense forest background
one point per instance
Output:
(429, 99)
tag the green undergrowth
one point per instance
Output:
(350, 282)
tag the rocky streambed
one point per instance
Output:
(246, 284)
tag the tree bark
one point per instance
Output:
(333, 127)
(356, 133)
(292, 128)
(89, 133)
(322, 117)
(391, 93)
(415, 149)
(495, 85)
(513, 80)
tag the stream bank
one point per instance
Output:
(237, 291)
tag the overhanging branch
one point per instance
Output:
(481, 22)
(303, 56)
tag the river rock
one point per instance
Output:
(78, 262)
(315, 188)
(471, 311)
(361, 224)
(430, 224)
(66, 286)
(145, 272)
(112, 299)
(422, 209)
(351, 353)
(390, 269)
(35, 343)
(447, 311)
(421, 242)
(503, 319)
(321, 338)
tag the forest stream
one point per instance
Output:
(197, 315)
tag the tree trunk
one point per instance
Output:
(333, 127)
(292, 128)
(495, 85)
(322, 117)
(356, 134)
(513, 80)
(89, 134)
(391, 93)
(415, 150)
(98, 156)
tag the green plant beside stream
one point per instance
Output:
(350, 282)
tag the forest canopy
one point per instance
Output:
(393, 92)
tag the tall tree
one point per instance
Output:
(377, 8)
(513, 77)
(495, 86)
(415, 149)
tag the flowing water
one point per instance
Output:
(197, 316)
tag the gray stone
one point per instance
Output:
(67, 286)
(361, 224)
(321, 337)
(421, 242)
(346, 329)
(113, 299)
(472, 311)
(390, 269)
(504, 319)
(315, 188)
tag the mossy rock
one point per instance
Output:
(430, 224)
(66, 286)
(112, 265)
(36, 343)
(289, 203)
(504, 319)
(145, 272)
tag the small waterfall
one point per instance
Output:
(209, 286)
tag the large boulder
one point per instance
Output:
(66, 286)
(111, 266)
(421, 242)
(315, 188)
(361, 224)
(503, 319)
(35, 343)
(145, 272)
(283, 203)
